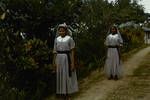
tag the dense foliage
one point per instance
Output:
(26, 72)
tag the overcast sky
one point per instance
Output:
(145, 3)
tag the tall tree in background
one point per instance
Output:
(129, 10)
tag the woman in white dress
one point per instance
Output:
(113, 66)
(66, 79)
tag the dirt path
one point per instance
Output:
(100, 89)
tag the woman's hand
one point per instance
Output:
(54, 67)
(72, 67)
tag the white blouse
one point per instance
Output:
(113, 40)
(63, 43)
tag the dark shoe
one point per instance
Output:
(116, 77)
(111, 77)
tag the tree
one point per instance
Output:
(26, 70)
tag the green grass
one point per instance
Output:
(144, 69)
(128, 54)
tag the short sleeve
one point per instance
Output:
(72, 43)
(55, 45)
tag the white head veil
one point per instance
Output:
(118, 32)
(109, 31)
(69, 32)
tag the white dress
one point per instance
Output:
(65, 84)
(113, 64)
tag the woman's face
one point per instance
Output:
(62, 31)
(113, 30)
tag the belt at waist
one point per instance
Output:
(63, 52)
(112, 46)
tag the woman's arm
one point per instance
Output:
(72, 59)
(54, 55)
(54, 61)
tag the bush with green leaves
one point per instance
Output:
(133, 37)
(26, 70)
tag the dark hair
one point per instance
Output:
(62, 27)
(115, 27)
(66, 29)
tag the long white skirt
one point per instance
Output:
(113, 64)
(65, 84)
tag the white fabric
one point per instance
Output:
(114, 40)
(113, 64)
(65, 84)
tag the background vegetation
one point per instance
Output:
(26, 72)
